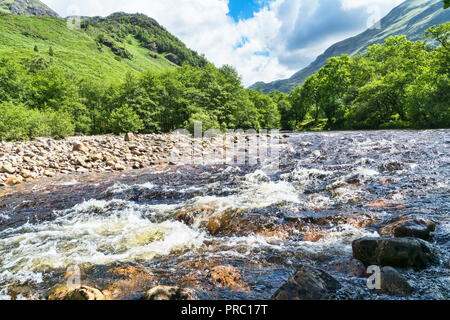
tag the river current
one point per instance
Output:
(172, 225)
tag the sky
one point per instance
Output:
(265, 40)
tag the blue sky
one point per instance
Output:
(265, 40)
(244, 9)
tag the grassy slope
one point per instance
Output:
(411, 18)
(74, 50)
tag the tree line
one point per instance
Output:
(397, 84)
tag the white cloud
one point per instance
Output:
(277, 29)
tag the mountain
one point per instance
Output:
(411, 18)
(103, 48)
(26, 7)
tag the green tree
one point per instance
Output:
(124, 119)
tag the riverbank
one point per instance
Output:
(45, 157)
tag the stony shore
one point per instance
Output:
(45, 157)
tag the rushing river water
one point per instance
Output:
(174, 224)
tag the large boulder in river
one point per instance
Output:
(308, 283)
(168, 293)
(396, 252)
(392, 282)
(416, 228)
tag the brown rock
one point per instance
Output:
(26, 173)
(396, 252)
(308, 284)
(417, 228)
(129, 137)
(7, 168)
(12, 181)
(80, 147)
(168, 293)
(228, 276)
(393, 283)
(81, 293)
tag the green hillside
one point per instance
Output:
(104, 48)
(411, 18)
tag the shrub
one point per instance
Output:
(20, 123)
(124, 119)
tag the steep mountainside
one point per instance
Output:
(411, 18)
(26, 7)
(103, 48)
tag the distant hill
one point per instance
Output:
(103, 48)
(26, 7)
(411, 18)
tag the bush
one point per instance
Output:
(208, 121)
(124, 119)
(13, 121)
(61, 124)
(20, 123)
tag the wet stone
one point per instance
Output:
(308, 283)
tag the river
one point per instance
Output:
(173, 225)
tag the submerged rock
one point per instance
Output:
(393, 283)
(228, 276)
(168, 293)
(81, 293)
(396, 252)
(308, 284)
(417, 228)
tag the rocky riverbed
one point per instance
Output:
(306, 225)
(25, 161)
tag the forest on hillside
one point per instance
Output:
(398, 84)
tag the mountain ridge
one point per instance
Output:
(26, 7)
(410, 18)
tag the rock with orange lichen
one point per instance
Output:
(381, 204)
(228, 276)
(136, 280)
(81, 293)
(12, 181)
(314, 235)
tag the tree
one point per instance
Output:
(124, 119)
(446, 4)
(36, 49)
(269, 116)
(332, 82)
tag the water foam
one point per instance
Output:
(90, 233)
